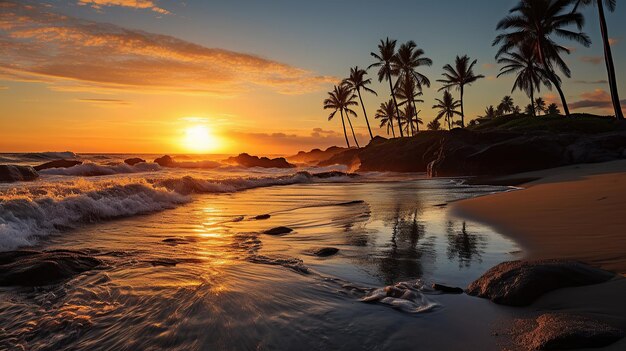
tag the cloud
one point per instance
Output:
(599, 99)
(137, 4)
(601, 81)
(613, 41)
(489, 66)
(105, 101)
(72, 54)
(595, 60)
(285, 143)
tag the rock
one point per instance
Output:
(39, 268)
(58, 164)
(133, 161)
(248, 161)
(447, 289)
(560, 331)
(14, 173)
(262, 217)
(165, 161)
(519, 283)
(315, 156)
(278, 231)
(326, 251)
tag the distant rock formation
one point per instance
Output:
(168, 161)
(246, 160)
(14, 173)
(165, 161)
(133, 161)
(58, 164)
(519, 283)
(315, 156)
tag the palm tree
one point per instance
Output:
(341, 99)
(506, 105)
(434, 125)
(411, 119)
(385, 57)
(459, 76)
(530, 109)
(530, 75)
(447, 108)
(407, 93)
(490, 113)
(553, 110)
(540, 105)
(608, 55)
(517, 110)
(386, 114)
(356, 82)
(534, 22)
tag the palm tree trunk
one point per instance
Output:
(417, 121)
(345, 133)
(610, 67)
(393, 132)
(353, 135)
(393, 95)
(532, 101)
(358, 91)
(462, 110)
(552, 78)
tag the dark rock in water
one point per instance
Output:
(278, 231)
(133, 161)
(447, 289)
(165, 161)
(561, 331)
(326, 251)
(262, 217)
(14, 173)
(178, 241)
(39, 268)
(315, 156)
(171, 262)
(58, 164)
(519, 283)
(247, 160)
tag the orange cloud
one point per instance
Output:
(78, 55)
(599, 99)
(138, 4)
(595, 60)
(613, 41)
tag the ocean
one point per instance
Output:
(186, 264)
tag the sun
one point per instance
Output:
(199, 139)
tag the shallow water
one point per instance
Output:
(199, 275)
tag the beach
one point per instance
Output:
(573, 212)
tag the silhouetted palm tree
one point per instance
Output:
(517, 110)
(534, 22)
(490, 113)
(459, 76)
(540, 105)
(530, 109)
(341, 99)
(407, 93)
(447, 108)
(434, 125)
(411, 119)
(608, 55)
(530, 75)
(357, 82)
(385, 57)
(553, 110)
(506, 105)
(386, 113)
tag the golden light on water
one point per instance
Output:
(200, 139)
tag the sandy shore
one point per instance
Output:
(575, 212)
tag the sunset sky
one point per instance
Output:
(136, 75)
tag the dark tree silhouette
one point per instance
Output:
(385, 57)
(357, 82)
(341, 99)
(447, 108)
(459, 76)
(386, 114)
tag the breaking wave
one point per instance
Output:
(29, 214)
(92, 169)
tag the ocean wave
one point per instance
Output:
(29, 214)
(92, 169)
(49, 155)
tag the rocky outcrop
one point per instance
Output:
(39, 268)
(246, 160)
(482, 153)
(315, 156)
(133, 161)
(519, 283)
(58, 164)
(165, 161)
(14, 173)
(559, 331)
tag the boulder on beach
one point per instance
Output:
(133, 161)
(278, 231)
(447, 289)
(246, 160)
(58, 164)
(564, 331)
(14, 173)
(39, 268)
(519, 283)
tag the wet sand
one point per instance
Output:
(575, 212)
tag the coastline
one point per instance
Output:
(574, 212)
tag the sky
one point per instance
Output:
(146, 76)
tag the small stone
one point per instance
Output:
(326, 251)
(278, 231)
(447, 289)
(262, 217)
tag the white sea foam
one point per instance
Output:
(92, 169)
